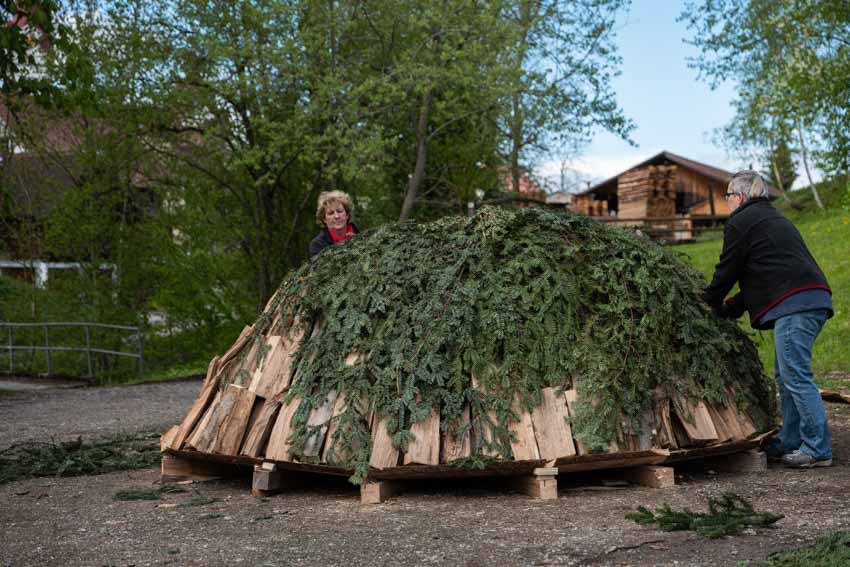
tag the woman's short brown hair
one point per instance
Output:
(332, 198)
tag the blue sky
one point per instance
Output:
(671, 108)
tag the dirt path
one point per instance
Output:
(76, 521)
(65, 413)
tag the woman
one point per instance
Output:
(334, 215)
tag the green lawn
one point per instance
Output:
(827, 233)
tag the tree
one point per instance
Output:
(791, 63)
(780, 169)
(560, 65)
(28, 30)
(233, 116)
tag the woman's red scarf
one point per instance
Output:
(349, 230)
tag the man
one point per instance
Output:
(783, 289)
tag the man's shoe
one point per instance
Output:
(801, 460)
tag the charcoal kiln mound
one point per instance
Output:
(511, 340)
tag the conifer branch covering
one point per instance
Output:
(522, 300)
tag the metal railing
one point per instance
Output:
(10, 348)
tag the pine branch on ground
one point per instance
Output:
(832, 550)
(76, 458)
(728, 515)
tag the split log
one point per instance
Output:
(208, 429)
(233, 426)
(317, 425)
(167, 438)
(260, 427)
(551, 427)
(237, 346)
(424, 449)
(457, 438)
(333, 451)
(571, 397)
(208, 390)
(273, 376)
(279, 445)
(384, 453)
(725, 423)
(666, 438)
(483, 425)
(696, 420)
(523, 441)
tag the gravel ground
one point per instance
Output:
(76, 521)
(66, 413)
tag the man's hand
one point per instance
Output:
(732, 308)
(726, 311)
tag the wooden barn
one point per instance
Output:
(672, 194)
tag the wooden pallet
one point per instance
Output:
(653, 469)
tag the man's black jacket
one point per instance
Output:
(765, 254)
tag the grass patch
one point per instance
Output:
(826, 233)
(728, 515)
(77, 458)
(137, 493)
(832, 550)
(180, 371)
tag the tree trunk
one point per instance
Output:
(803, 154)
(421, 157)
(516, 143)
(777, 175)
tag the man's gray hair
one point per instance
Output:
(748, 183)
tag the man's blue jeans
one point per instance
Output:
(804, 424)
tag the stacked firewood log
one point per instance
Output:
(242, 411)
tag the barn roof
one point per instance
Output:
(702, 168)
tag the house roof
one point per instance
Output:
(704, 169)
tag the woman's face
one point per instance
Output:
(336, 218)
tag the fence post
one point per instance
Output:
(88, 348)
(11, 351)
(141, 355)
(47, 352)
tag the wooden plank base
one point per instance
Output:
(375, 492)
(269, 479)
(743, 462)
(542, 484)
(175, 468)
(653, 476)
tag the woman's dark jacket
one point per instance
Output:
(323, 240)
(764, 253)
